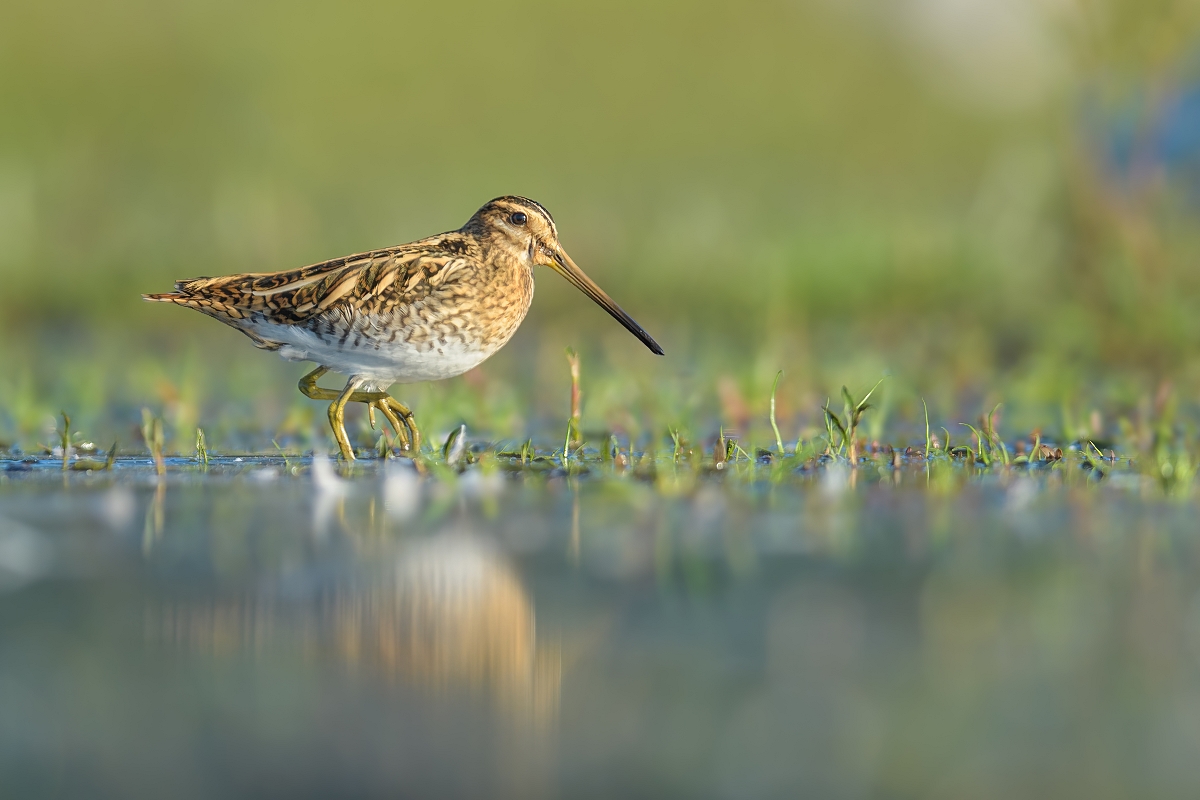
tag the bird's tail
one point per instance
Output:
(182, 295)
(167, 297)
(203, 304)
(228, 313)
(191, 294)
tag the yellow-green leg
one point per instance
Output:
(398, 415)
(308, 385)
(401, 419)
(337, 417)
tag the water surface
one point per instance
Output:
(270, 629)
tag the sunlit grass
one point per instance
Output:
(599, 421)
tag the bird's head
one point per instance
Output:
(525, 228)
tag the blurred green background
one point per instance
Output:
(989, 201)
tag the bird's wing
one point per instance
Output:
(380, 280)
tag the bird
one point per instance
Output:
(423, 311)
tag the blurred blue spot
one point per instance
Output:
(1147, 134)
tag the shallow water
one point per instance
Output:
(270, 628)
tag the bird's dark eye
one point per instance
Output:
(518, 218)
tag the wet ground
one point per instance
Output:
(270, 628)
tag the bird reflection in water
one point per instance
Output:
(452, 618)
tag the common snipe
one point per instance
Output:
(423, 311)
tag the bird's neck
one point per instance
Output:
(502, 261)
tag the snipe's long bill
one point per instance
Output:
(423, 311)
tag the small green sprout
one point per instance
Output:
(201, 448)
(982, 454)
(65, 437)
(774, 426)
(576, 393)
(848, 429)
(152, 435)
(455, 447)
(928, 437)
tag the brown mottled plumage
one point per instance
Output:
(428, 310)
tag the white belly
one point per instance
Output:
(394, 362)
